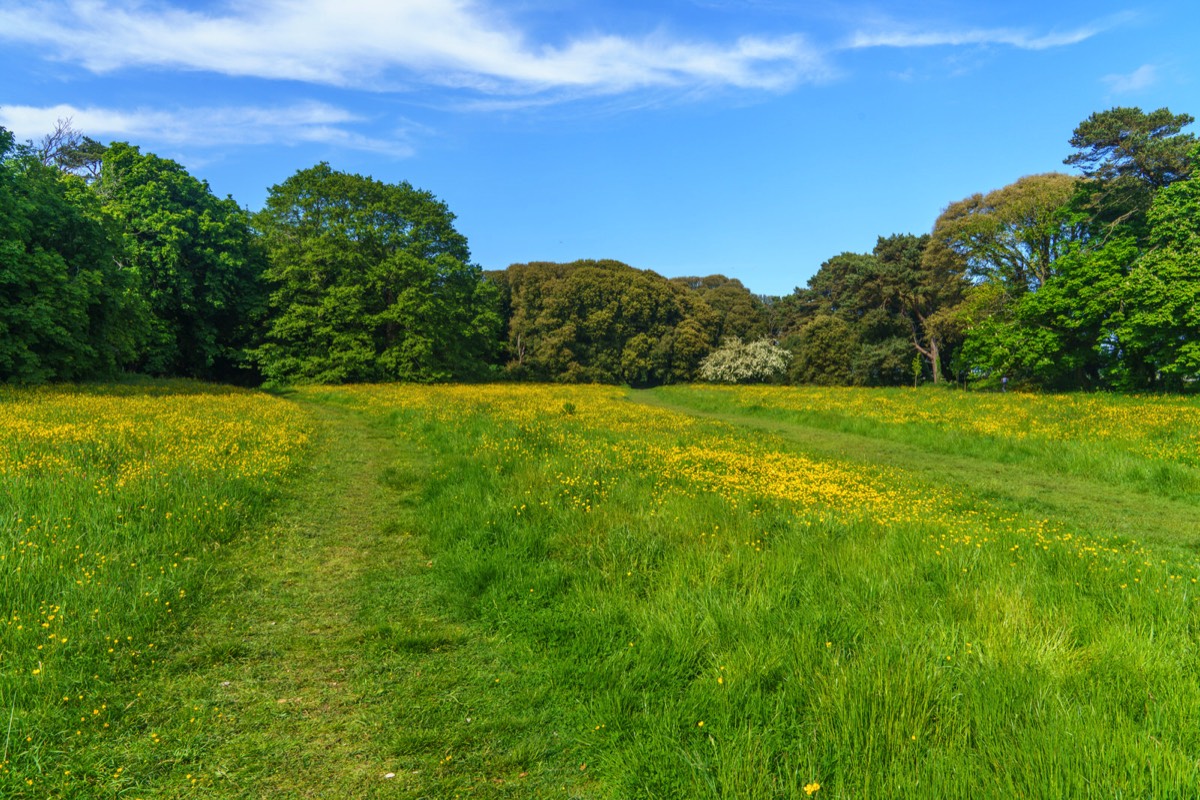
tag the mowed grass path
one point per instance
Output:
(278, 664)
(317, 647)
(319, 660)
(520, 591)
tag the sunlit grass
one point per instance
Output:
(709, 611)
(536, 591)
(113, 504)
(1151, 443)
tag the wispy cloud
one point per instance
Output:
(1024, 40)
(374, 43)
(207, 127)
(1143, 77)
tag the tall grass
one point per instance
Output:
(691, 618)
(594, 597)
(114, 501)
(1151, 443)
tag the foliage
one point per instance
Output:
(1158, 329)
(65, 312)
(603, 322)
(113, 259)
(1053, 338)
(195, 261)
(373, 283)
(739, 313)
(70, 151)
(885, 304)
(854, 289)
(1015, 234)
(1125, 142)
(1115, 307)
(823, 351)
(1128, 155)
(745, 362)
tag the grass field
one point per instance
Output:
(530, 591)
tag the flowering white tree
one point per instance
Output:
(739, 362)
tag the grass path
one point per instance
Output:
(276, 688)
(1100, 505)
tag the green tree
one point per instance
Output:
(921, 279)
(1128, 143)
(885, 303)
(1158, 327)
(373, 283)
(70, 151)
(195, 260)
(823, 351)
(603, 321)
(1126, 156)
(1015, 234)
(65, 312)
(739, 313)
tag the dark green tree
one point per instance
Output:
(1127, 155)
(1158, 326)
(885, 304)
(921, 280)
(739, 313)
(854, 290)
(606, 322)
(196, 262)
(65, 309)
(1128, 143)
(373, 283)
(823, 351)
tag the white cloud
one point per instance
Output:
(974, 36)
(1143, 77)
(206, 127)
(365, 43)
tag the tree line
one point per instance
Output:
(117, 261)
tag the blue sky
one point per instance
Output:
(755, 138)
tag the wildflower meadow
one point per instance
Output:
(587, 591)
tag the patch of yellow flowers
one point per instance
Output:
(108, 496)
(117, 436)
(1164, 428)
(610, 439)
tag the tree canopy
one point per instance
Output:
(1128, 143)
(194, 260)
(739, 313)
(116, 260)
(1013, 235)
(371, 283)
(65, 308)
(604, 322)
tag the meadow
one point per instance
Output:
(582, 591)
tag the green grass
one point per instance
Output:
(1098, 485)
(557, 592)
